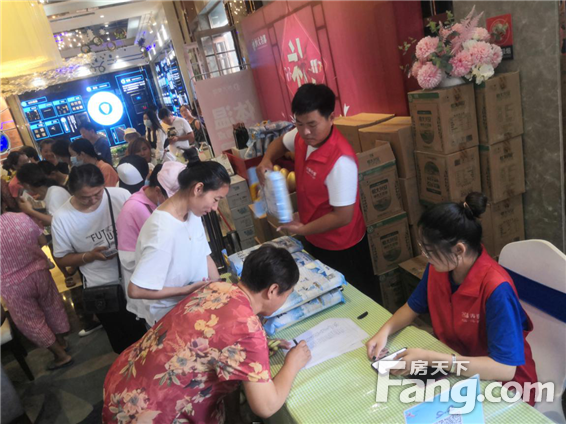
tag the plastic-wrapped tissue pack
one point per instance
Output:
(236, 260)
(315, 280)
(280, 322)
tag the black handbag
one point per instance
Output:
(110, 297)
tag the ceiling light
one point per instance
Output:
(155, 23)
(117, 56)
(151, 32)
(38, 82)
(102, 16)
(108, 39)
(105, 25)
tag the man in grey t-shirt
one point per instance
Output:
(100, 143)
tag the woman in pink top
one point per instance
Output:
(138, 208)
(28, 288)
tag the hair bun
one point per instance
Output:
(192, 156)
(476, 203)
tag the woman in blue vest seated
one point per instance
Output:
(472, 301)
(328, 200)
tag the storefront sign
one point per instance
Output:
(300, 56)
(225, 101)
(501, 30)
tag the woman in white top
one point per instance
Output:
(83, 236)
(41, 187)
(172, 251)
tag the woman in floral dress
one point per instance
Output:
(185, 365)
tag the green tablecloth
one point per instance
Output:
(342, 389)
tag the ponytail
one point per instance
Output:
(211, 174)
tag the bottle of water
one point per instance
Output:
(277, 197)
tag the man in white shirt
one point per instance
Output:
(179, 131)
(326, 171)
(83, 236)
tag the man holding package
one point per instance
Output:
(328, 201)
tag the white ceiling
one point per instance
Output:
(70, 15)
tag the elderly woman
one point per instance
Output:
(184, 367)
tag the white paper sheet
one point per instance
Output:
(331, 338)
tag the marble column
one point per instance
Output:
(538, 58)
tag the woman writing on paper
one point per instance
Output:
(471, 299)
(192, 360)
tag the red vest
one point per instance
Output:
(312, 193)
(459, 320)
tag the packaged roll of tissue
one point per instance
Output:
(302, 258)
(280, 322)
(315, 279)
(236, 261)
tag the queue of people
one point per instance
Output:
(185, 338)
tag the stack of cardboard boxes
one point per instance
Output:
(398, 133)
(350, 126)
(498, 103)
(234, 209)
(449, 125)
(382, 205)
(446, 143)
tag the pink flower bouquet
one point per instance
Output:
(461, 50)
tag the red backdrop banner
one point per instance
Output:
(350, 46)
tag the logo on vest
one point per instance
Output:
(310, 172)
(471, 318)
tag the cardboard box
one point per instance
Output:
(349, 127)
(246, 244)
(262, 228)
(502, 169)
(445, 178)
(401, 139)
(391, 287)
(503, 223)
(399, 120)
(412, 273)
(238, 187)
(410, 196)
(413, 229)
(246, 234)
(499, 109)
(378, 183)
(389, 243)
(444, 119)
(372, 117)
(225, 162)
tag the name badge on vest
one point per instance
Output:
(471, 318)
(310, 172)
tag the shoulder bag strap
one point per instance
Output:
(115, 232)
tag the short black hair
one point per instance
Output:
(444, 225)
(270, 265)
(311, 97)
(32, 174)
(47, 167)
(211, 174)
(30, 152)
(61, 148)
(86, 125)
(84, 175)
(11, 160)
(82, 145)
(164, 113)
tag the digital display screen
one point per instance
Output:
(112, 102)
